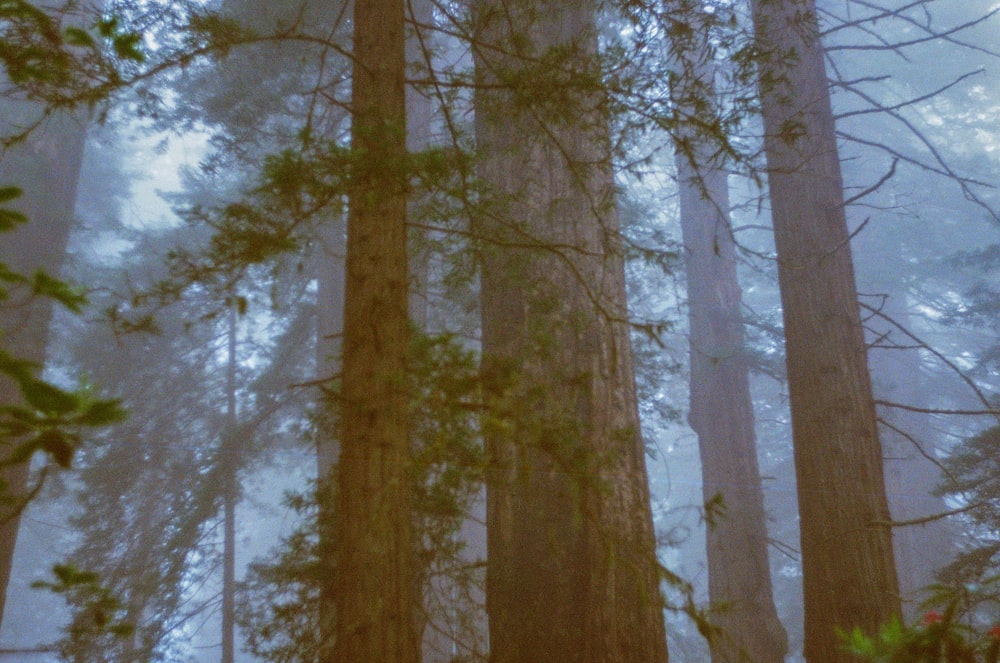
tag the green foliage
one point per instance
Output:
(973, 471)
(61, 65)
(49, 419)
(714, 510)
(278, 604)
(57, 290)
(952, 630)
(100, 614)
(10, 219)
(280, 599)
(125, 44)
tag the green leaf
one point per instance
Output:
(127, 46)
(10, 219)
(47, 286)
(107, 27)
(69, 575)
(48, 398)
(78, 37)
(23, 452)
(101, 413)
(7, 275)
(21, 370)
(9, 193)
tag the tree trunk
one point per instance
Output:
(849, 574)
(572, 570)
(47, 168)
(374, 574)
(229, 499)
(739, 574)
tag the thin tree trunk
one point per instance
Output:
(229, 499)
(849, 574)
(572, 571)
(374, 566)
(739, 574)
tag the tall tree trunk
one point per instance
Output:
(374, 574)
(849, 574)
(739, 574)
(572, 570)
(47, 168)
(229, 499)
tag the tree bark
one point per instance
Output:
(739, 574)
(572, 570)
(374, 574)
(849, 574)
(46, 168)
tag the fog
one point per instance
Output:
(207, 232)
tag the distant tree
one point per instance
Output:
(849, 572)
(739, 578)
(46, 167)
(42, 138)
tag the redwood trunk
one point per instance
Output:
(739, 574)
(374, 574)
(230, 496)
(849, 574)
(572, 571)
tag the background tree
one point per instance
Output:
(47, 167)
(721, 413)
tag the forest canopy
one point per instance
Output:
(499, 330)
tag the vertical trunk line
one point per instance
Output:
(849, 573)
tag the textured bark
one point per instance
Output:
(572, 572)
(47, 168)
(849, 574)
(739, 574)
(374, 574)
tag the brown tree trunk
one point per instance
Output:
(739, 574)
(374, 574)
(572, 571)
(47, 168)
(849, 574)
